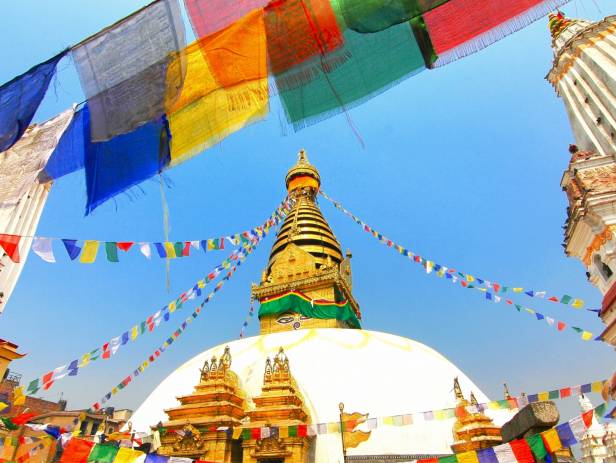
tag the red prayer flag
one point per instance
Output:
(457, 22)
(10, 244)
(302, 430)
(565, 392)
(76, 451)
(186, 250)
(553, 299)
(255, 433)
(561, 326)
(298, 30)
(22, 419)
(587, 417)
(125, 245)
(522, 451)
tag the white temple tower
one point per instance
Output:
(592, 445)
(584, 75)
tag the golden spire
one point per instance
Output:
(474, 399)
(457, 389)
(557, 23)
(305, 226)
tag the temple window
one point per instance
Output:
(604, 270)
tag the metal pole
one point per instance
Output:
(341, 407)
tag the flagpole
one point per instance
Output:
(341, 407)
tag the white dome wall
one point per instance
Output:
(371, 372)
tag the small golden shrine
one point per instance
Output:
(217, 401)
(306, 268)
(280, 404)
(472, 431)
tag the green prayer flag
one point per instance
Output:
(111, 248)
(566, 299)
(448, 459)
(293, 431)
(503, 404)
(519, 307)
(101, 453)
(33, 387)
(245, 434)
(537, 446)
(8, 424)
(579, 330)
(554, 394)
(600, 410)
(179, 248)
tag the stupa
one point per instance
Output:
(310, 357)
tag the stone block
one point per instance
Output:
(532, 419)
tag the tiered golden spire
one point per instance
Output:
(557, 23)
(472, 431)
(305, 226)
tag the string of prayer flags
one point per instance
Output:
(21, 97)
(493, 286)
(152, 358)
(153, 321)
(43, 246)
(125, 70)
(251, 313)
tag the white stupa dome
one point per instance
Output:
(371, 372)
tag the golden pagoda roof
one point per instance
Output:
(305, 225)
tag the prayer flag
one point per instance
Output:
(565, 434)
(42, 247)
(155, 458)
(467, 457)
(145, 250)
(125, 245)
(76, 451)
(10, 245)
(127, 70)
(127, 455)
(170, 250)
(551, 440)
(115, 165)
(209, 16)
(566, 299)
(504, 453)
(90, 249)
(71, 248)
(587, 335)
(111, 249)
(522, 451)
(536, 445)
(21, 97)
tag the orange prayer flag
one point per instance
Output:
(551, 440)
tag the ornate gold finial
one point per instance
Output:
(303, 175)
(557, 23)
(225, 360)
(457, 390)
(474, 399)
(507, 395)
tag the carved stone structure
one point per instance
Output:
(534, 418)
(280, 402)
(583, 75)
(472, 431)
(305, 257)
(217, 401)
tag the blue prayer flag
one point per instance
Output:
(71, 248)
(487, 456)
(21, 97)
(539, 316)
(565, 434)
(161, 250)
(69, 154)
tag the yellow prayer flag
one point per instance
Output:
(170, 250)
(494, 405)
(85, 359)
(388, 420)
(577, 303)
(283, 431)
(470, 278)
(440, 415)
(88, 254)
(3, 406)
(467, 457)
(201, 284)
(237, 432)
(518, 290)
(586, 335)
(134, 332)
(597, 386)
(543, 396)
(333, 428)
(172, 307)
(530, 311)
(18, 396)
(126, 455)
(114, 390)
(224, 90)
(551, 440)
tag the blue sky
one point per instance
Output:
(461, 164)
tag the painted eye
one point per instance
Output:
(304, 317)
(284, 320)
